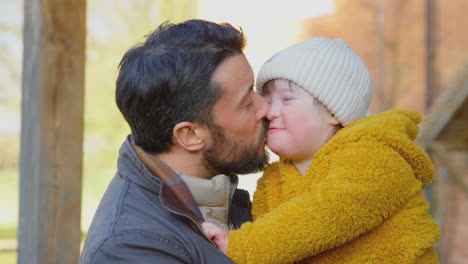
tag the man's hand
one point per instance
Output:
(217, 235)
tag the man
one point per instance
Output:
(187, 94)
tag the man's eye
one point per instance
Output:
(249, 104)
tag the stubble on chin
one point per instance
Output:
(229, 157)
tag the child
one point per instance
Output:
(347, 188)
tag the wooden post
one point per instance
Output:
(52, 131)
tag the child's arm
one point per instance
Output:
(259, 208)
(366, 184)
(259, 204)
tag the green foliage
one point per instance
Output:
(105, 128)
(8, 257)
(7, 232)
(113, 26)
(10, 146)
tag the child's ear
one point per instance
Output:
(333, 121)
(190, 136)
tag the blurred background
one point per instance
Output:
(416, 51)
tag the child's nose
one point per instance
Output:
(273, 112)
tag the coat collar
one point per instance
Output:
(152, 174)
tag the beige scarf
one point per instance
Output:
(212, 196)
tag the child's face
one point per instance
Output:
(299, 125)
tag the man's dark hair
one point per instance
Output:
(169, 78)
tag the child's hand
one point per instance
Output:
(217, 235)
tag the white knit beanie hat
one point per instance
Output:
(329, 70)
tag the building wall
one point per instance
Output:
(454, 240)
(390, 36)
(450, 40)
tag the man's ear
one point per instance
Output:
(190, 136)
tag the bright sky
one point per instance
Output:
(270, 25)
(264, 12)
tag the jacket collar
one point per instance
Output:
(131, 168)
(150, 173)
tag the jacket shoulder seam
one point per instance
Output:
(120, 206)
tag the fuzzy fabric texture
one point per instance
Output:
(329, 70)
(359, 202)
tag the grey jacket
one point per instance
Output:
(138, 221)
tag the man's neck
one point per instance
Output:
(186, 163)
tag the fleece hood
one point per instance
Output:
(396, 129)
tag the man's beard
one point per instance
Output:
(229, 157)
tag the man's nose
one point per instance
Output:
(262, 108)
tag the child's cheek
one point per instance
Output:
(274, 144)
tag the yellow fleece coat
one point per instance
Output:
(359, 202)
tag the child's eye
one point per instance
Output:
(287, 99)
(249, 104)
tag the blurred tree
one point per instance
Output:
(10, 82)
(114, 27)
(10, 65)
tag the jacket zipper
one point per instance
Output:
(196, 224)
